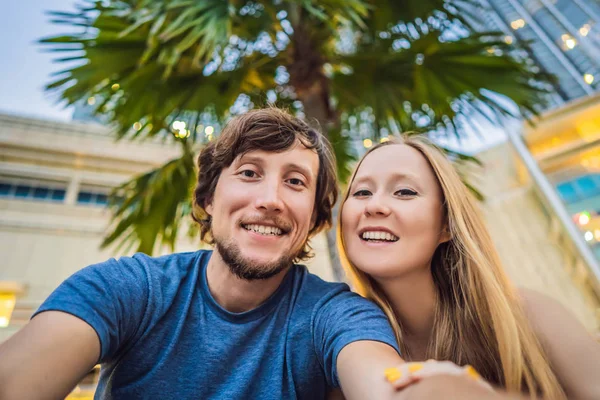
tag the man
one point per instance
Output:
(240, 322)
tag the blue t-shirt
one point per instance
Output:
(164, 336)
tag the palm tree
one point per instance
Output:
(359, 69)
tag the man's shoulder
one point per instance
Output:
(163, 263)
(322, 292)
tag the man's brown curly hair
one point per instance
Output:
(268, 129)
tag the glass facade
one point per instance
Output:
(563, 37)
(582, 198)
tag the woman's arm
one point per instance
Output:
(573, 354)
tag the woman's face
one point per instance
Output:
(393, 219)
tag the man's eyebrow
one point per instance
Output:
(289, 166)
(250, 159)
(301, 169)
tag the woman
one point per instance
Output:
(413, 240)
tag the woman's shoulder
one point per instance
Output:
(558, 330)
(544, 312)
(572, 352)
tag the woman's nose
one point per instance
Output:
(376, 207)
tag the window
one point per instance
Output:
(93, 195)
(31, 189)
(580, 188)
(567, 192)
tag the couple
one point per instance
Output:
(244, 321)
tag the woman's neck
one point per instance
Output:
(413, 300)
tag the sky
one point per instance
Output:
(25, 68)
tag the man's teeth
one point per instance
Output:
(263, 229)
(379, 235)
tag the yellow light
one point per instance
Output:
(91, 101)
(597, 234)
(137, 126)
(209, 130)
(384, 139)
(584, 218)
(115, 86)
(209, 137)
(588, 78)
(518, 23)
(588, 236)
(584, 30)
(490, 50)
(555, 140)
(177, 125)
(570, 43)
(182, 133)
(7, 305)
(508, 39)
(367, 143)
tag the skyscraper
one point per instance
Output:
(563, 38)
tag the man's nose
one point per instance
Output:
(269, 198)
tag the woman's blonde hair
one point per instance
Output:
(478, 317)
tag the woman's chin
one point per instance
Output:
(383, 269)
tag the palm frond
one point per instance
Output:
(149, 209)
(431, 84)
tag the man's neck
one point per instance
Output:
(235, 294)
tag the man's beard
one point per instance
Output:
(247, 269)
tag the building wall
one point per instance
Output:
(528, 238)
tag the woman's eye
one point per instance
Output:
(362, 192)
(406, 192)
(248, 173)
(296, 182)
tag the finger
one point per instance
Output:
(440, 368)
(403, 375)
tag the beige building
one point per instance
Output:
(535, 248)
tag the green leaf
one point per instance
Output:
(149, 209)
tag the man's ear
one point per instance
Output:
(313, 219)
(208, 206)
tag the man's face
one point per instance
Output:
(263, 209)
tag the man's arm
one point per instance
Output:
(48, 357)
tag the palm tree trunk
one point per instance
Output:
(312, 89)
(315, 112)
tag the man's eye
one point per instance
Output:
(248, 173)
(360, 193)
(296, 182)
(406, 192)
